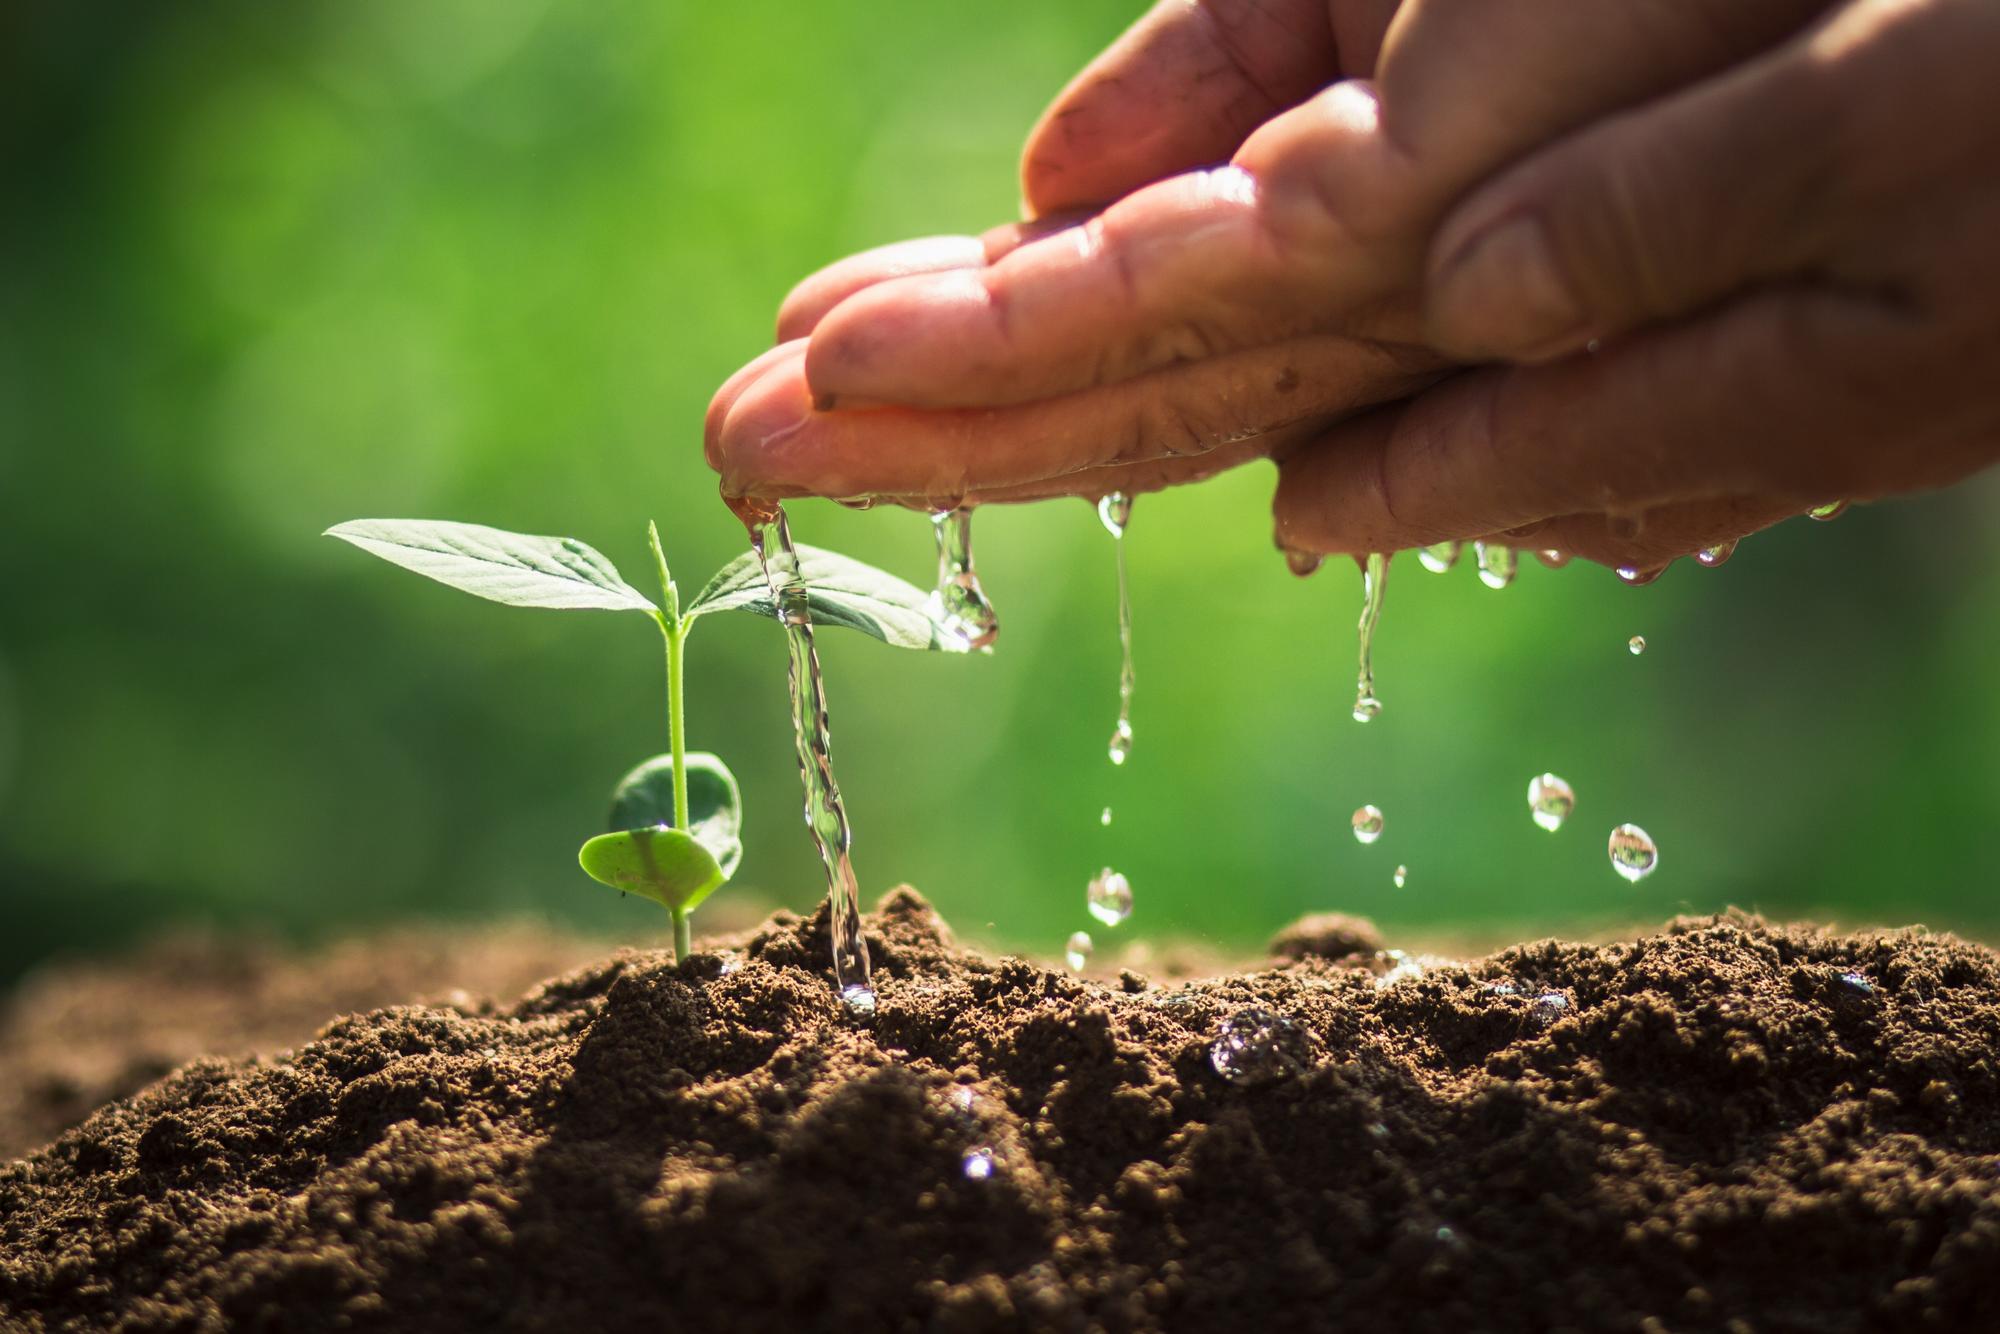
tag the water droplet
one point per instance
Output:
(1304, 564)
(1114, 511)
(1555, 560)
(1545, 1009)
(1831, 510)
(1550, 800)
(855, 502)
(1257, 1046)
(1110, 898)
(1076, 950)
(1715, 555)
(1104, 817)
(1402, 876)
(958, 603)
(1633, 853)
(1402, 967)
(1637, 643)
(1119, 748)
(1440, 556)
(1374, 577)
(978, 1164)
(1497, 564)
(1854, 983)
(1367, 824)
(859, 999)
(1638, 578)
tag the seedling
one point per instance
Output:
(676, 819)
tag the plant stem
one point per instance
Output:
(675, 726)
(683, 935)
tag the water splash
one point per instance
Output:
(1109, 897)
(1367, 823)
(1550, 800)
(1439, 556)
(959, 604)
(1076, 950)
(1115, 512)
(1633, 852)
(1637, 644)
(1497, 564)
(826, 816)
(1374, 577)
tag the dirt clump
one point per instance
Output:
(1727, 1125)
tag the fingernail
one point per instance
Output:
(1502, 294)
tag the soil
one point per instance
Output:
(1726, 1125)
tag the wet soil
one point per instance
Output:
(1725, 1125)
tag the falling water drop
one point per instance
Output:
(1637, 644)
(1550, 800)
(1402, 876)
(1374, 576)
(1115, 512)
(1076, 950)
(1829, 511)
(958, 603)
(1440, 556)
(1104, 817)
(1367, 824)
(826, 816)
(1257, 1046)
(1110, 898)
(1497, 564)
(1715, 555)
(1633, 852)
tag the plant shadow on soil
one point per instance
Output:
(1725, 1125)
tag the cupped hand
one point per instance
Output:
(1788, 270)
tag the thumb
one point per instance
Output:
(1648, 215)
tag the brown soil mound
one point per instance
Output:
(1729, 1125)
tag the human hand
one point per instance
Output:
(1791, 266)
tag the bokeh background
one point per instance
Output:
(267, 267)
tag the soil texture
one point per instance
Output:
(1727, 1125)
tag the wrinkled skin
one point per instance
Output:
(1626, 279)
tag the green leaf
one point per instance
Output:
(665, 865)
(645, 797)
(514, 568)
(839, 591)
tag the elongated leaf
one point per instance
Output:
(839, 591)
(515, 568)
(665, 865)
(645, 797)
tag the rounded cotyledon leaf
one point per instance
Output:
(839, 591)
(518, 569)
(645, 798)
(663, 864)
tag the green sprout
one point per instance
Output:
(676, 819)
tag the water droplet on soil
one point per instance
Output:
(1110, 897)
(1440, 556)
(1497, 564)
(1854, 984)
(1367, 824)
(1545, 1009)
(1633, 852)
(1076, 950)
(1550, 800)
(958, 603)
(1257, 1046)
(859, 999)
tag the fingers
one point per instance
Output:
(833, 284)
(1138, 479)
(1663, 535)
(768, 439)
(1179, 90)
(1776, 396)
(1652, 214)
(1191, 267)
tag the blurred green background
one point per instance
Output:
(270, 267)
